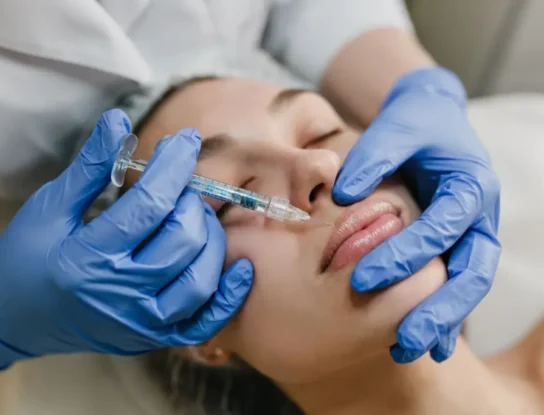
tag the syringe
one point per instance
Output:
(272, 207)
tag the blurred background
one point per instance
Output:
(495, 46)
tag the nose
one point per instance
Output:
(313, 174)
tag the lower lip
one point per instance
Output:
(361, 243)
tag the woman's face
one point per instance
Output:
(301, 320)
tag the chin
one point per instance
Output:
(391, 305)
(414, 289)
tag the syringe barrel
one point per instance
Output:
(230, 194)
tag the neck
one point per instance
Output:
(377, 385)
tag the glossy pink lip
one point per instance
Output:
(363, 227)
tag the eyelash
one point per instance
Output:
(325, 137)
(223, 210)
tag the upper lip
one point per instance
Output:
(355, 219)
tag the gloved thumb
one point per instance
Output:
(89, 173)
(367, 163)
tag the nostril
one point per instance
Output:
(315, 191)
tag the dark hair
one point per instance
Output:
(198, 389)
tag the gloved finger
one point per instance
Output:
(88, 175)
(370, 160)
(455, 208)
(445, 346)
(402, 356)
(178, 242)
(440, 352)
(143, 207)
(234, 287)
(471, 270)
(199, 281)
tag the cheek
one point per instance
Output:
(389, 308)
(281, 276)
(280, 329)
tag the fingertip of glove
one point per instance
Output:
(357, 283)
(187, 135)
(105, 140)
(236, 284)
(401, 356)
(116, 122)
(340, 196)
(410, 343)
(347, 192)
(183, 137)
(117, 116)
(396, 354)
(439, 355)
(363, 277)
(237, 280)
(241, 271)
(191, 134)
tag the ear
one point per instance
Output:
(211, 354)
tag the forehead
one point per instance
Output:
(234, 106)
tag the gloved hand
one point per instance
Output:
(106, 286)
(423, 128)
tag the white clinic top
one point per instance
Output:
(63, 62)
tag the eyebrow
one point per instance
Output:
(285, 97)
(215, 144)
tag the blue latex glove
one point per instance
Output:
(423, 128)
(69, 287)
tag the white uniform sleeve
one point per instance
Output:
(306, 35)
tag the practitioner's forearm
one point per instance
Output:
(362, 74)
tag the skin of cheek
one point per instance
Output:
(295, 328)
(283, 328)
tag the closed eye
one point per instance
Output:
(223, 210)
(323, 138)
